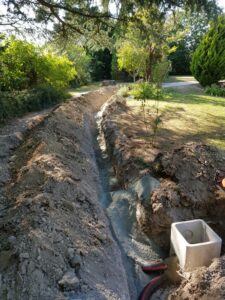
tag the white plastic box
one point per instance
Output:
(194, 243)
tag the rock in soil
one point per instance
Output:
(69, 281)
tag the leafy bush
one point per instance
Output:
(161, 71)
(132, 59)
(124, 91)
(16, 103)
(208, 62)
(23, 66)
(146, 90)
(81, 61)
(57, 71)
(215, 90)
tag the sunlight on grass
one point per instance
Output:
(85, 88)
(179, 78)
(188, 116)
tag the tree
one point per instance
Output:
(78, 56)
(84, 17)
(189, 27)
(131, 59)
(145, 43)
(208, 63)
(100, 65)
(19, 65)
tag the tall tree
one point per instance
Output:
(208, 64)
(189, 27)
(146, 38)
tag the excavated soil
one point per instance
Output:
(55, 240)
(187, 190)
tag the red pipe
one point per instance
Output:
(151, 287)
(154, 268)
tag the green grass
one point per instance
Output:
(188, 114)
(85, 88)
(179, 78)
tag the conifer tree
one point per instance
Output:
(208, 62)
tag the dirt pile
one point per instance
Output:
(187, 187)
(55, 240)
(203, 284)
(187, 190)
(119, 144)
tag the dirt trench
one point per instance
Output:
(185, 189)
(80, 212)
(56, 241)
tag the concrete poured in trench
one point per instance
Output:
(120, 206)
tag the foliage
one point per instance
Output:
(23, 65)
(19, 65)
(116, 73)
(208, 63)
(146, 90)
(124, 91)
(100, 65)
(145, 44)
(180, 59)
(215, 90)
(189, 28)
(81, 18)
(132, 59)
(148, 35)
(161, 71)
(80, 59)
(16, 103)
(57, 71)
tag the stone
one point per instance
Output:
(76, 262)
(12, 240)
(144, 187)
(68, 205)
(71, 252)
(69, 281)
(24, 255)
(108, 82)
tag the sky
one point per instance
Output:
(221, 3)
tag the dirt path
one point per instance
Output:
(179, 84)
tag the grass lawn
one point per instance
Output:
(85, 88)
(187, 114)
(179, 78)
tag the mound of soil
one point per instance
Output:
(187, 190)
(187, 176)
(119, 143)
(203, 284)
(55, 241)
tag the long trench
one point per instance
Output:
(136, 248)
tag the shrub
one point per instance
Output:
(146, 90)
(16, 103)
(215, 90)
(23, 66)
(124, 91)
(161, 71)
(208, 62)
